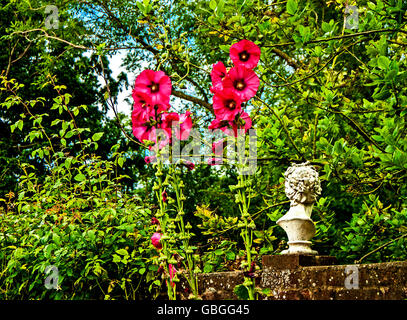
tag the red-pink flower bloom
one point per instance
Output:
(142, 102)
(245, 53)
(215, 161)
(173, 271)
(218, 124)
(166, 121)
(185, 125)
(155, 84)
(182, 124)
(155, 240)
(164, 196)
(143, 126)
(244, 82)
(240, 124)
(154, 221)
(149, 159)
(146, 127)
(226, 105)
(189, 165)
(218, 73)
(218, 146)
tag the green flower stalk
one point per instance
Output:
(164, 225)
(243, 189)
(184, 232)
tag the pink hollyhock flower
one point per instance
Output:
(218, 124)
(182, 124)
(185, 124)
(244, 82)
(173, 271)
(215, 161)
(245, 53)
(142, 103)
(155, 240)
(155, 84)
(226, 105)
(218, 146)
(149, 159)
(166, 121)
(148, 128)
(218, 73)
(164, 195)
(143, 126)
(189, 165)
(241, 123)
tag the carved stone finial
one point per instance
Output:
(302, 184)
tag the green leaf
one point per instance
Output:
(213, 4)
(219, 252)
(80, 177)
(225, 48)
(122, 252)
(383, 62)
(326, 27)
(120, 161)
(292, 7)
(230, 255)
(241, 291)
(97, 136)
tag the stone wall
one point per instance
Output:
(298, 277)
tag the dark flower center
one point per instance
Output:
(244, 56)
(222, 75)
(239, 85)
(154, 87)
(231, 104)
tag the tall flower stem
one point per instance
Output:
(162, 217)
(185, 234)
(247, 225)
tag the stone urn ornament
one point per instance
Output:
(302, 186)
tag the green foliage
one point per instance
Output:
(76, 218)
(330, 95)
